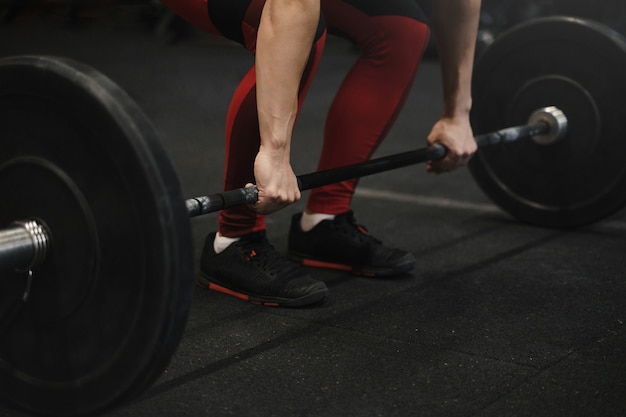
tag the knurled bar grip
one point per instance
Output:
(511, 134)
(208, 204)
(211, 203)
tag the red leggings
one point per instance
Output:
(391, 36)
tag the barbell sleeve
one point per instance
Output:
(219, 201)
(23, 245)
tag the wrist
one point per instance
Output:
(457, 109)
(279, 154)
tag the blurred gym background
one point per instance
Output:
(497, 15)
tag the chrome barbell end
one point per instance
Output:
(556, 121)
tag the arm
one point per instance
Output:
(455, 23)
(284, 40)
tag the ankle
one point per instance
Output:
(220, 243)
(311, 219)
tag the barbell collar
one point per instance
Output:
(556, 121)
(23, 245)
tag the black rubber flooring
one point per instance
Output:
(499, 319)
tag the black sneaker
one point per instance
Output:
(252, 270)
(342, 244)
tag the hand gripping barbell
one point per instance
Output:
(96, 270)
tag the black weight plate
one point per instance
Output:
(108, 306)
(578, 66)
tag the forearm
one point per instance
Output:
(455, 23)
(284, 41)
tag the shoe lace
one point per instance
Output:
(347, 224)
(261, 252)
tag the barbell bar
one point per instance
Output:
(103, 231)
(545, 125)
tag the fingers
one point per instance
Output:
(457, 136)
(271, 201)
(276, 182)
(450, 162)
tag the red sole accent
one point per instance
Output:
(321, 264)
(223, 290)
(331, 265)
(260, 303)
(244, 297)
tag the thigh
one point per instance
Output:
(406, 8)
(238, 20)
(351, 18)
(194, 12)
(233, 19)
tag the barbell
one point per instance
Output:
(96, 270)
(24, 244)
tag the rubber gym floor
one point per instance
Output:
(500, 318)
